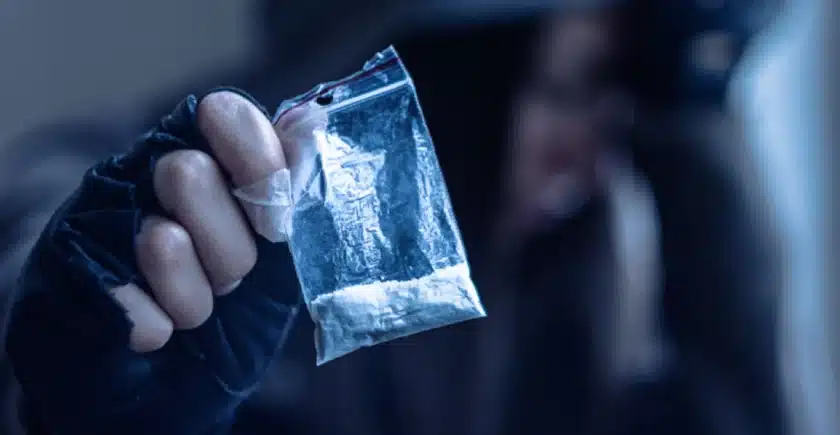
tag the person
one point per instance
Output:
(147, 304)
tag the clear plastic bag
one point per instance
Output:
(372, 233)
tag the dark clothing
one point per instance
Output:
(543, 308)
(192, 385)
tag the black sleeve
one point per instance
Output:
(67, 338)
(38, 170)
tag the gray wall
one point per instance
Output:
(65, 58)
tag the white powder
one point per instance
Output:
(365, 315)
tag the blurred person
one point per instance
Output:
(548, 359)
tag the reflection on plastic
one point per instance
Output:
(268, 204)
(374, 239)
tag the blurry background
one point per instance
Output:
(69, 59)
(786, 91)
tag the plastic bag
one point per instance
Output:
(372, 233)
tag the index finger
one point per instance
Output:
(240, 136)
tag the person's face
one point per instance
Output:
(559, 126)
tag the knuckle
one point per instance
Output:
(216, 106)
(185, 171)
(163, 242)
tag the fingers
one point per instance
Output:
(190, 186)
(167, 258)
(151, 326)
(243, 140)
(208, 247)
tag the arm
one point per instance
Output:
(39, 170)
(116, 328)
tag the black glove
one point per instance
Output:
(90, 334)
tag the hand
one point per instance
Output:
(149, 305)
(205, 245)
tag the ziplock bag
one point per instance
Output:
(371, 230)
